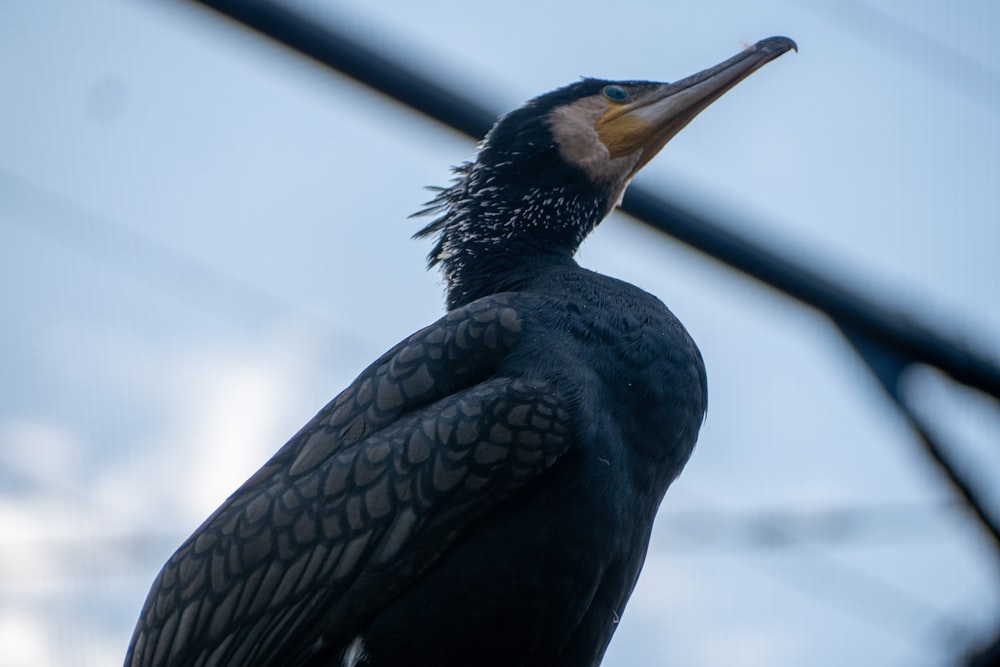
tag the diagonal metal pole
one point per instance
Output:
(877, 332)
(888, 366)
(397, 80)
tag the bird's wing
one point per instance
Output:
(358, 503)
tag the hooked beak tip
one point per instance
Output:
(778, 43)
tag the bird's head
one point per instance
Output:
(548, 172)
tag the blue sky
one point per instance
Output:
(204, 237)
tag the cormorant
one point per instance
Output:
(483, 493)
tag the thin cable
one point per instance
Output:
(879, 595)
(876, 524)
(70, 224)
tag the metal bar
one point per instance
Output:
(877, 333)
(888, 367)
(346, 54)
(919, 343)
(397, 80)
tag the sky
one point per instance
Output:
(204, 237)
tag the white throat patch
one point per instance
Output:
(574, 128)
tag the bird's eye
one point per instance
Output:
(615, 93)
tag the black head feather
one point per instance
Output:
(518, 198)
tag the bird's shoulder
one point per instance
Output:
(627, 369)
(587, 321)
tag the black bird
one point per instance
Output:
(483, 493)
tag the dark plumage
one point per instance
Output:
(483, 493)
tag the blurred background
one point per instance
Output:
(204, 237)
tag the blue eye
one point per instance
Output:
(615, 93)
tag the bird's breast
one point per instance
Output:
(632, 375)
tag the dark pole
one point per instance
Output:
(395, 79)
(887, 341)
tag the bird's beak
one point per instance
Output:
(649, 122)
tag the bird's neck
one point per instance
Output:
(495, 238)
(497, 272)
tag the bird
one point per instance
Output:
(484, 492)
